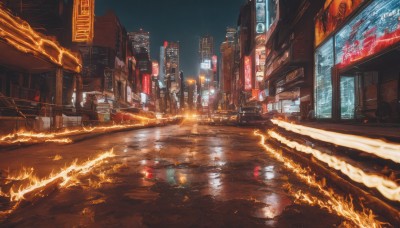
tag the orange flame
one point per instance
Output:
(67, 175)
(376, 147)
(336, 203)
(387, 188)
(20, 35)
(24, 136)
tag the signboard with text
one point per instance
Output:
(83, 21)
(247, 73)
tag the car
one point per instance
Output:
(224, 117)
(251, 116)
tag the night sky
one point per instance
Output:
(176, 20)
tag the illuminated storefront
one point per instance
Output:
(356, 66)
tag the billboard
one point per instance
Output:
(214, 63)
(376, 28)
(206, 65)
(260, 16)
(247, 73)
(83, 21)
(333, 15)
(146, 86)
(271, 13)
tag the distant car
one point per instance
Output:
(251, 116)
(224, 118)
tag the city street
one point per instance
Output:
(179, 175)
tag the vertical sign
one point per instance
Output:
(146, 84)
(260, 16)
(214, 63)
(247, 73)
(82, 21)
(154, 68)
(161, 73)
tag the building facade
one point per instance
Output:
(356, 61)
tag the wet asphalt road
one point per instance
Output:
(184, 175)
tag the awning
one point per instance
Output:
(24, 48)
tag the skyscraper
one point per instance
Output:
(206, 48)
(172, 61)
(140, 42)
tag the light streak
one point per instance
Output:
(387, 188)
(376, 147)
(335, 202)
(66, 175)
(33, 137)
(20, 35)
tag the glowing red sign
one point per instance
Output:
(146, 87)
(369, 33)
(214, 63)
(247, 73)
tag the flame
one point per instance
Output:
(20, 35)
(387, 188)
(57, 157)
(336, 203)
(376, 147)
(24, 174)
(58, 137)
(66, 175)
(102, 179)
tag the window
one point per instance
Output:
(347, 98)
(323, 80)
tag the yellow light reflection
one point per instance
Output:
(66, 175)
(387, 188)
(336, 204)
(20, 35)
(376, 147)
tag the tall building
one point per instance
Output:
(230, 34)
(140, 41)
(172, 61)
(206, 48)
(227, 50)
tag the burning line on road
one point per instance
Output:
(65, 175)
(57, 137)
(335, 203)
(376, 147)
(387, 188)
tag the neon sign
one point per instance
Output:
(247, 73)
(19, 34)
(82, 21)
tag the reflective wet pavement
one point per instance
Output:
(174, 176)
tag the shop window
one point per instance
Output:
(323, 80)
(376, 28)
(347, 97)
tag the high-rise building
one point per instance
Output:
(140, 41)
(206, 48)
(230, 34)
(227, 49)
(172, 61)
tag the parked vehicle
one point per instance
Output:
(251, 116)
(224, 117)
